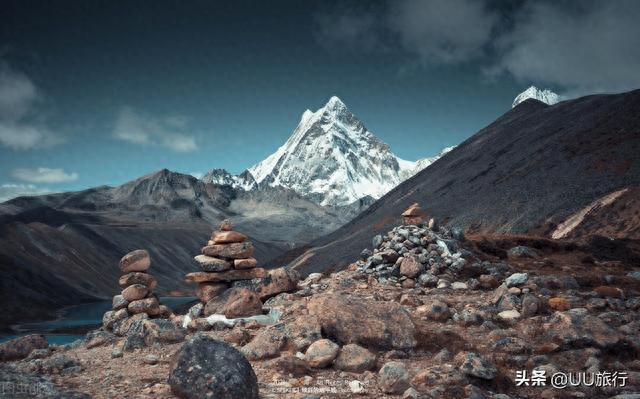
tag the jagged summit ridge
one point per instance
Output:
(546, 96)
(333, 158)
(330, 158)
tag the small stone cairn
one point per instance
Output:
(417, 254)
(414, 215)
(137, 297)
(226, 260)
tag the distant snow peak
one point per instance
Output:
(333, 159)
(424, 162)
(546, 96)
(221, 177)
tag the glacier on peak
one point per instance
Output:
(546, 96)
(330, 158)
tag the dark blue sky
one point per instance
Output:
(101, 92)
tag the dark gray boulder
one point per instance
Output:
(205, 367)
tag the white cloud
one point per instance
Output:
(10, 190)
(44, 175)
(434, 31)
(443, 31)
(141, 129)
(586, 47)
(197, 175)
(20, 126)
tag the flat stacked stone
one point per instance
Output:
(227, 258)
(137, 295)
(414, 215)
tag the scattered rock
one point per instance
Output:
(241, 302)
(476, 366)
(19, 348)
(578, 329)
(266, 344)
(289, 364)
(558, 303)
(321, 353)
(410, 267)
(355, 359)
(150, 359)
(393, 378)
(350, 319)
(434, 310)
(207, 291)
(509, 315)
(522, 252)
(516, 279)
(609, 292)
(302, 332)
(207, 368)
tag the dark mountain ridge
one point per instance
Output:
(526, 172)
(60, 249)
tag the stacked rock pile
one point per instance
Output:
(414, 215)
(137, 295)
(415, 255)
(227, 259)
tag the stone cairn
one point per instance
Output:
(416, 254)
(137, 295)
(225, 261)
(414, 215)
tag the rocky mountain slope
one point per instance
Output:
(424, 313)
(528, 171)
(331, 158)
(59, 249)
(546, 96)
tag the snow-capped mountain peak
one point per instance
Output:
(546, 96)
(332, 158)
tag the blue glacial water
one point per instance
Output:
(85, 317)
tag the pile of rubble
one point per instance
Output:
(416, 255)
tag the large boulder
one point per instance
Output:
(476, 366)
(21, 347)
(234, 303)
(267, 343)
(393, 378)
(275, 282)
(321, 353)
(576, 328)
(208, 368)
(355, 359)
(207, 291)
(162, 331)
(351, 319)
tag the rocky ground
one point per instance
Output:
(424, 314)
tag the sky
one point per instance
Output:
(102, 92)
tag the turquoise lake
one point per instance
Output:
(85, 316)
